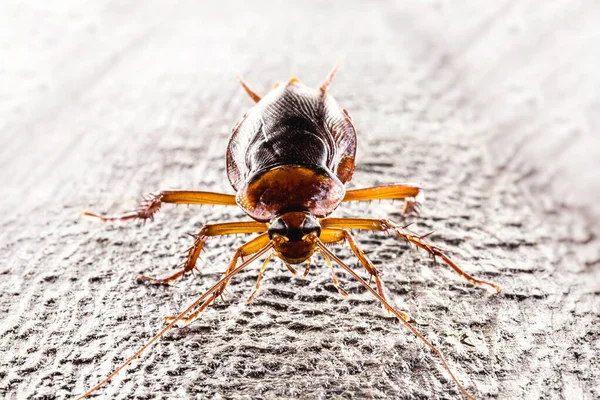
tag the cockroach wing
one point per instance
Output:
(344, 135)
(292, 125)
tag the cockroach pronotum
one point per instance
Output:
(289, 159)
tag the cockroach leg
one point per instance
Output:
(399, 315)
(148, 280)
(201, 300)
(397, 191)
(207, 231)
(152, 203)
(259, 279)
(188, 265)
(248, 249)
(435, 251)
(333, 235)
(411, 194)
(251, 93)
(410, 237)
(336, 283)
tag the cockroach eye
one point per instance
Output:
(311, 225)
(277, 227)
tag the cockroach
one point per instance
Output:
(289, 159)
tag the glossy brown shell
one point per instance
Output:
(290, 188)
(292, 125)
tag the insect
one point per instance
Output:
(289, 159)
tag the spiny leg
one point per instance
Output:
(397, 313)
(333, 235)
(255, 245)
(152, 203)
(259, 279)
(207, 295)
(226, 228)
(410, 237)
(435, 251)
(411, 194)
(252, 95)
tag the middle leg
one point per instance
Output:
(410, 237)
(226, 228)
(254, 246)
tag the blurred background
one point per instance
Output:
(524, 77)
(492, 106)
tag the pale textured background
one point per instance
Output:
(493, 106)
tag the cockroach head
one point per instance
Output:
(294, 226)
(293, 236)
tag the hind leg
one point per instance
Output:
(151, 204)
(411, 194)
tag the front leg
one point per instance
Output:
(410, 237)
(151, 204)
(411, 194)
(226, 228)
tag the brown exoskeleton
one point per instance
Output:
(288, 160)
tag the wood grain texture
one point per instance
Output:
(493, 107)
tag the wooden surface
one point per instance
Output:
(492, 106)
